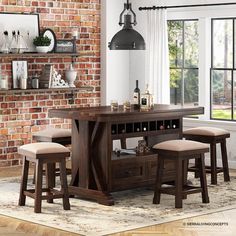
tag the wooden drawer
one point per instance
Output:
(130, 172)
(126, 173)
(133, 171)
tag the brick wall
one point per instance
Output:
(22, 113)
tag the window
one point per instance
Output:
(183, 50)
(223, 68)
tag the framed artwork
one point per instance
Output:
(19, 71)
(25, 26)
(66, 46)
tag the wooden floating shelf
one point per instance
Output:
(35, 54)
(85, 88)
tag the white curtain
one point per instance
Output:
(157, 56)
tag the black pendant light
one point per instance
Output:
(127, 38)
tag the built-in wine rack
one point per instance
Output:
(145, 126)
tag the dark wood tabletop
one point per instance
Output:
(101, 113)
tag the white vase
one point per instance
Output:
(71, 76)
(42, 49)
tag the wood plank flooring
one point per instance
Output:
(216, 224)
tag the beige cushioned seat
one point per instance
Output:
(53, 133)
(180, 145)
(206, 131)
(34, 149)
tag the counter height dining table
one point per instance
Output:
(97, 170)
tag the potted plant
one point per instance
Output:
(42, 43)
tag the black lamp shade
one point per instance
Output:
(127, 39)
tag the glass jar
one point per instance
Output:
(4, 82)
(35, 82)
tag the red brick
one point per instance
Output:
(3, 144)
(42, 4)
(15, 162)
(42, 122)
(42, 115)
(3, 157)
(34, 3)
(43, 10)
(34, 116)
(35, 110)
(57, 11)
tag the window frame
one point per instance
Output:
(232, 70)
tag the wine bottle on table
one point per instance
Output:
(136, 97)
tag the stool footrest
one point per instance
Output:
(57, 171)
(52, 196)
(53, 193)
(187, 189)
(207, 168)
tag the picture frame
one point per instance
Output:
(66, 46)
(26, 24)
(19, 72)
(45, 79)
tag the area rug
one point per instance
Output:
(132, 209)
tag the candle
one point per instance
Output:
(4, 84)
(75, 34)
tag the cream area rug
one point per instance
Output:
(132, 209)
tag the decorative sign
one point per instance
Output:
(57, 81)
(66, 46)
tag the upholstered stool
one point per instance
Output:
(62, 136)
(211, 136)
(40, 154)
(180, 151)
(55, 135)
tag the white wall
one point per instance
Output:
(115, 63)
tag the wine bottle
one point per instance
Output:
(136, 96)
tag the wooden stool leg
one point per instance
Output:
(205, 197)
(38, 187)
(24, 180)
(185, 164)
(213, 163)
(33, 181)
(225, 160)
(157, 187)
(64, 186)
(196, 173)
(50, 178)
(179, 183)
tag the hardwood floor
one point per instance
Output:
(216, 224)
